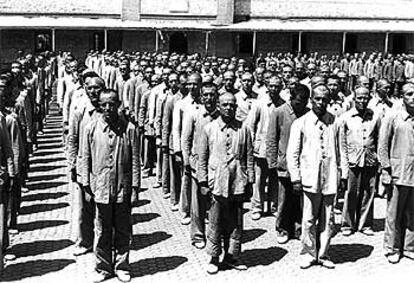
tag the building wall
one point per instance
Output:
(14, 40)
(138, 40)
(273, 42)
(324, 43)
(179, 7)
(331, 9)
(77, 42)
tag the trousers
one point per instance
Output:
(225, 226)
(358, 211)
(86, 217)
(316, 224)
(113, 230)
(262, 175)
(399, 220)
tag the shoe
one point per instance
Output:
(327, 263)
(256, 216)
(9, 257)
(200, 245)
(346, 232)
(100, 277)
(13, 231)
(25, 190)
(337, 211)
(123, 276)
(166, 196)
(306, 261)
(212, 267)
(367, 232)
(393, 258)
(234, 263)
(185, 220)
(174, 207)
(80, 250)
(157, 185)
(282, 237)
(409, 255)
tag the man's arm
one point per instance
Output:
(384, 140)
(272, 140)
(203, 156)
(187, 137)
(136, 167)
(166, 122)
(6, 147)
(293, 151)
(85, 168)
(253, 119)
(343, 149)
(176, 127)
(73, 139)
(159, 111)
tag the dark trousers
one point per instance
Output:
(358, 211)
(165, 172)
(185, 197)
(86, 218)
(225, 225)
(4, 197)
(399, 221)
(175, 178)
(149, 153)
(262, 175)
(113, 230)
(289, 209)
(199, 206)
(13, 203)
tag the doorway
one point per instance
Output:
(178, 43)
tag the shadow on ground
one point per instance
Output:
(267, 256)
(43, 196)
(40, 224)
(141, 241)
(154, 265)
(143, 217)
(349, 252)
(45, 186)
(39, 247)
(33, 268)
(37, 208)
(252, 234)
(42, 178)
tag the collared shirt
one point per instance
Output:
(358, 137)
(369, 69)
(181, 109)
(261, 90)
(244, 104)
(379, 106)
(167, 118)
(193, 126)
(226, 157)
(81, 117)
(258, 123)
(396, 146)
(16, 141)
(312, 153)
(110, 162)
(338, 106)
(143, 116)
(159, 111)
(156, 91)
(277, 139)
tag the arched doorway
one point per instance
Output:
(178, 42)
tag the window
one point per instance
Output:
(179, 6)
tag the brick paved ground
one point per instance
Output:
(161, 250)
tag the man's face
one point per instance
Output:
(320, 100)
(408, 98)
(299, 103)
(247, 82)
(361, 100)
(193, 86)
(209, 97)
(16, 69)
(109, 105)
(272, 66)
(3, 95)
(93, 87)
(148, 74)
(300, 69)
(207, 66)
(173, 82)
(124, 70)
(333, 86)
(259, 76)
(227, 106)
(274, 86)
(287, 73)
(312, 70)
(229, 81)
(384, 89)
(165, 74)
(72, 66)
(324, 72)
(136, 70)
(364, 82)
